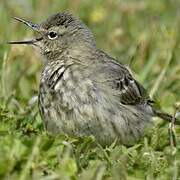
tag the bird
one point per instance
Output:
(84, 91)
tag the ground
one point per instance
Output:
(142, 34)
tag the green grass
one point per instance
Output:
(143, 34)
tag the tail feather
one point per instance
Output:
(165, 116)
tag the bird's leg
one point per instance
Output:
(171, 130)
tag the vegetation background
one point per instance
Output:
(141, 33)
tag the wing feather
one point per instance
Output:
(130, 90)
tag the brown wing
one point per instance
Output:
(131, 91)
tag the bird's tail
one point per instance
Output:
(166, 116)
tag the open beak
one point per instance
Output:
(34, 27)
(30, 42)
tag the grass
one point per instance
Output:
(144, 35)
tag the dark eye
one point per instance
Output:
(52, 35)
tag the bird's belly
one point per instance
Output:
(106, 120)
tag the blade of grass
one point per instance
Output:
(148, 68)
(3, 81)
(161, 75)
(35, 152)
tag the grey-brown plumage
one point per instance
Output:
(83, 91)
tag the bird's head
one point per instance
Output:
(60, 32)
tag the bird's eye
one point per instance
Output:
(52, 35)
